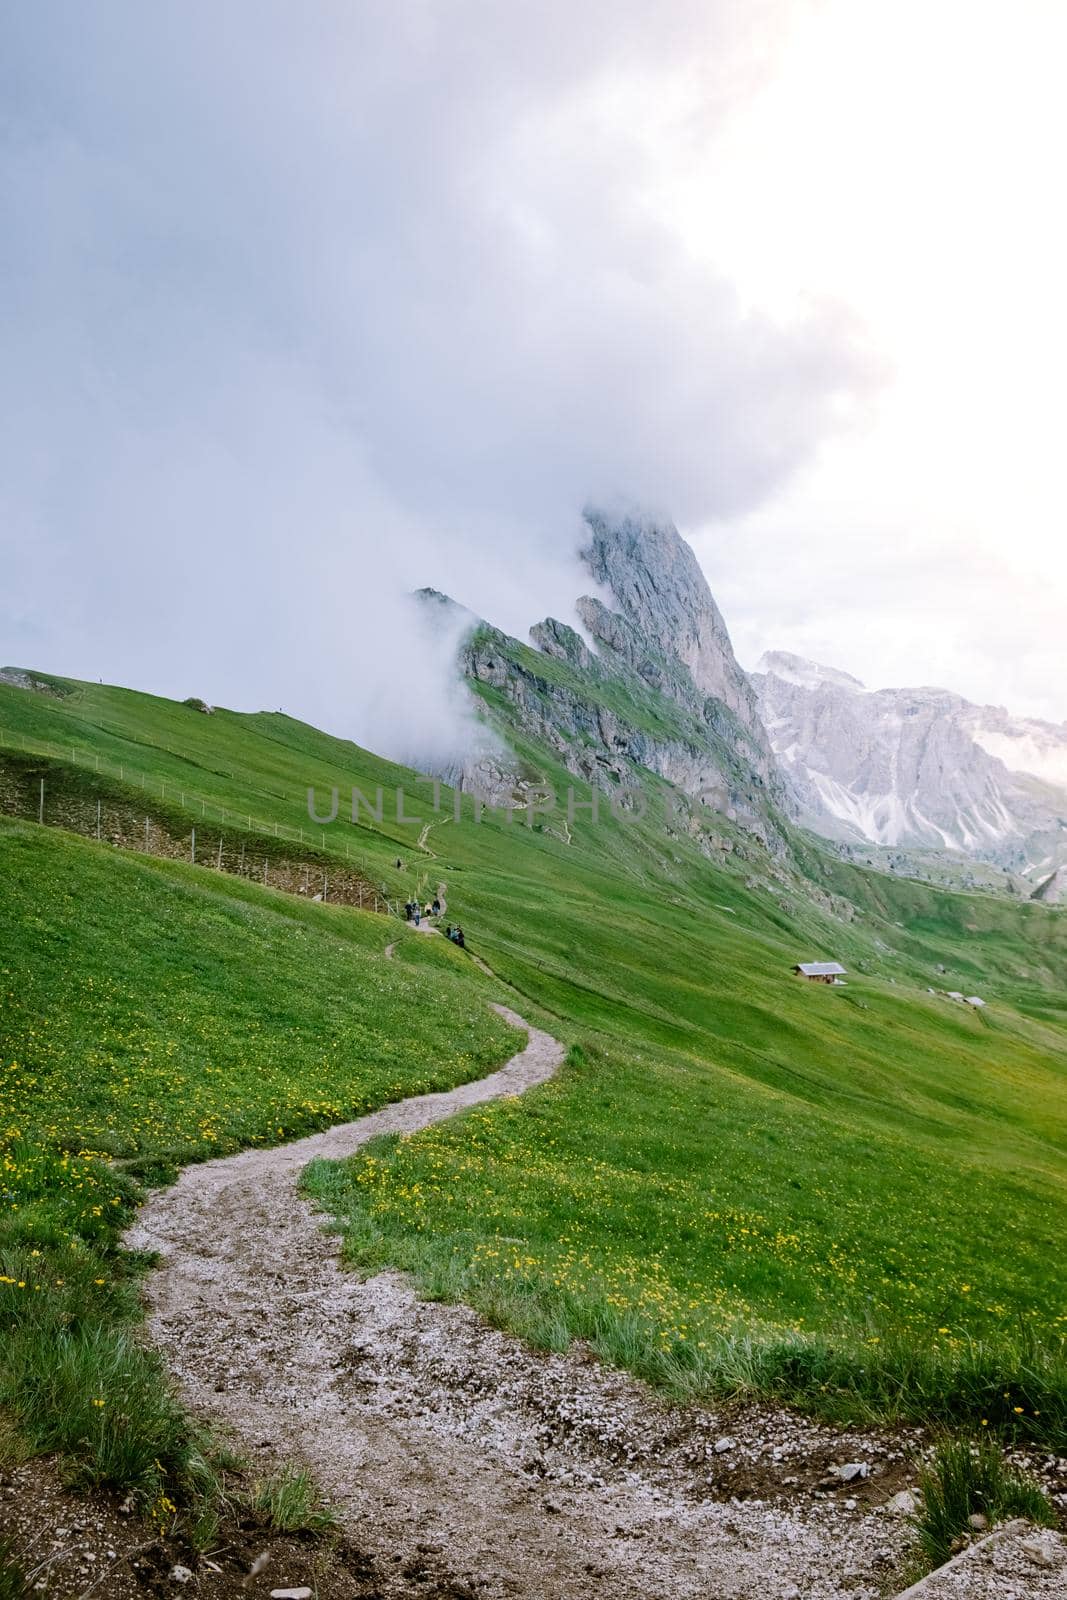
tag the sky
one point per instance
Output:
(304, 307)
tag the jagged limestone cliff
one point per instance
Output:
(660, 689)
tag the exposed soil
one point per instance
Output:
(460, 1462)
(76, 1546)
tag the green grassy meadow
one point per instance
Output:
(155, 1014)
(850, 1197)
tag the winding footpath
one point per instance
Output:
(462, 1463)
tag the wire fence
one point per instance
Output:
(229, 840)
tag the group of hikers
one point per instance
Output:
(414, 912)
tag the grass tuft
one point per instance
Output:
(965, 1478)
(101, 1400)
(13, 1585)
(291, 1503)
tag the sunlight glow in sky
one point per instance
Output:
(906, 159)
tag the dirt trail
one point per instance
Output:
(466, 1464)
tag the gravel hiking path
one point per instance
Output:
(469, 1466)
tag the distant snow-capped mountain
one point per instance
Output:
(916, 767)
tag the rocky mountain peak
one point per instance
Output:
(650, 683)
(804, 674)
(917, 767)
(664, 608)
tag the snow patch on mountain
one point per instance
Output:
(920, 767)
(804, 674)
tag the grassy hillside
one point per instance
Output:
(154, 1014)
(852, 1196)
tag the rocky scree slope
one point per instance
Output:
(921, 767)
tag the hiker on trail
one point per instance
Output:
(460, 939)
(408, 910)
(448, 931)
(436, 907)
(418, 915)
(399, 864)
(429, 911)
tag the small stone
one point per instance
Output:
(1037, 1551)
(303, 1593)
(791, 1593)
(903, 1504)
(978, 1522)
(553, 1506)
(722, 1445)
(852, 1470)
(180, 1574)
(850, 1504)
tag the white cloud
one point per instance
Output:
(303, 308)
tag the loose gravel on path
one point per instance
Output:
(468, 1465)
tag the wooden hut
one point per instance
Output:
(820, 971)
